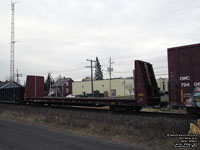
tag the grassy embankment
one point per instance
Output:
(141, 131)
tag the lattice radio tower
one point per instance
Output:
(12, 48)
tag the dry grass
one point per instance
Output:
(145, 132)
(165, 110)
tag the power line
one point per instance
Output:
(164, 74)
(69, 67)
(79, 67)
(146, 54)
(131, 60)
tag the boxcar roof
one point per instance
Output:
(184, 46)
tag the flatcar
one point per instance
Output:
(184, 86)
(146, 93)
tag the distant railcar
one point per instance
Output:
(34, 86)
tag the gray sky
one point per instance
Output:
(59, 36)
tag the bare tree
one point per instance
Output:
(86, 79)
(7, 78)
(59, 77)
(129, 87)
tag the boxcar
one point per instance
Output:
(184, 72)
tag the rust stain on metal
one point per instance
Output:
(113, 103)
(182, 96)
(140, 94)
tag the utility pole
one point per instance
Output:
(91, 66)
(124, 83)
(50, 81)
(18, 75)
(12, 48)
(110, 70)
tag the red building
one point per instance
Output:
(62, 87)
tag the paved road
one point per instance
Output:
(21, 136)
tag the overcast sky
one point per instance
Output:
(59, 36)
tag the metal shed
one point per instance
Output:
(11, 91)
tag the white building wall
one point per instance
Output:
(80, 87)
(163, 84)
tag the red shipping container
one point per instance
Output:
(34, 86)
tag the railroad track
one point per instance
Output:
(106, 110)
(164, 114)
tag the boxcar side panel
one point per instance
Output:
(196, 66)
(184, 72)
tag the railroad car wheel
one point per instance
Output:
(192, 111)
(129, 109)
(112, 108)
(138, 108)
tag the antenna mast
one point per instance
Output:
(12, 48)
